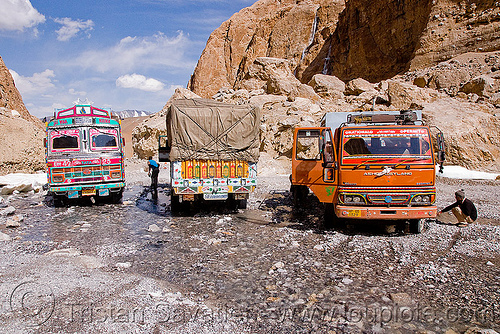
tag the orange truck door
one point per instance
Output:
(314, 162)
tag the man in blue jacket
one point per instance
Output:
(154, 170)
(464, 210)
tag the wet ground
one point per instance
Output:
(135, 267)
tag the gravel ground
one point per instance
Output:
(135, 267)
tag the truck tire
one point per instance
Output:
(116, 197)
(417, 225)
(58, 200)
(299, 194)
(242, 204)
(175, 205)
(330, 218)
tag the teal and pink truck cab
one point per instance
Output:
(84, 154)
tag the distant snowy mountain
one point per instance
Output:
(132, 113)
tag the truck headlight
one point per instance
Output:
(57, 178)
(422, 199)
(116, 175)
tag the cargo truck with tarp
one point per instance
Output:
(84, 155)
(213, 149)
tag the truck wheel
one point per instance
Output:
(330, 219)
(417, 226)
(242, 204)
(58, 200)
(116, 197)
(174, 203)
(299, 194)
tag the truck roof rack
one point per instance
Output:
(404, 117)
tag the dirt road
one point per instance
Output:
(135, 267)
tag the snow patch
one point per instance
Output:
(21, 182)
(457, 172)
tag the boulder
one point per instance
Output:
(495, 100)
(483, 85)
(358, 86)
(274, 76)
(327, 86)
(145, 136)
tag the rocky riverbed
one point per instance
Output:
(135, 267)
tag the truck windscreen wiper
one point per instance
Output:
(410, 160)
(371, 161)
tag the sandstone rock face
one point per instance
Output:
(289, 29)
(373, 40)
(274, 76)
(22, 147)
(440, 56)
(10, 98)
(21, 134)
(145, 136)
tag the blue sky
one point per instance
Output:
(122, 54)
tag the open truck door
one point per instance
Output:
(314, 165)
(163, 149)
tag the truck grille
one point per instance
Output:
(388, 198)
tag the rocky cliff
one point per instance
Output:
(21, 134)
(374, 40)
(289, 29)
(300, 59)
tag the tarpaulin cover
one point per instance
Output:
(211, 130)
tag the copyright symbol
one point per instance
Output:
(34, 302)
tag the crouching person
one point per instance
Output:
(464, 210)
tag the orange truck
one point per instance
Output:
(369, 166)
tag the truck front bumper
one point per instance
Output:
(385, 213)
(76, 191)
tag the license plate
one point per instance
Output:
(103, 192)
(88, 192)
(214, 197)
(73, 194)
(354, 213)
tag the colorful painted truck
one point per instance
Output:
(368, 166)
(213, 149)
(84, 154)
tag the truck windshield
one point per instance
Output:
(65, 140)
(103, 139)
(410, 144)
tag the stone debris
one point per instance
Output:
(123, 265)
(4, 237)
(154, 228)
(7, 211)
(64, 252)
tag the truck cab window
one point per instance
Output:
(309, 145)
(103, 139)
(100, 141)
(65, 140)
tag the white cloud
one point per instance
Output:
(72, 91)
(133, 53)
(34, 85)
(138, 81)
(18, 15)
(71, 28)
